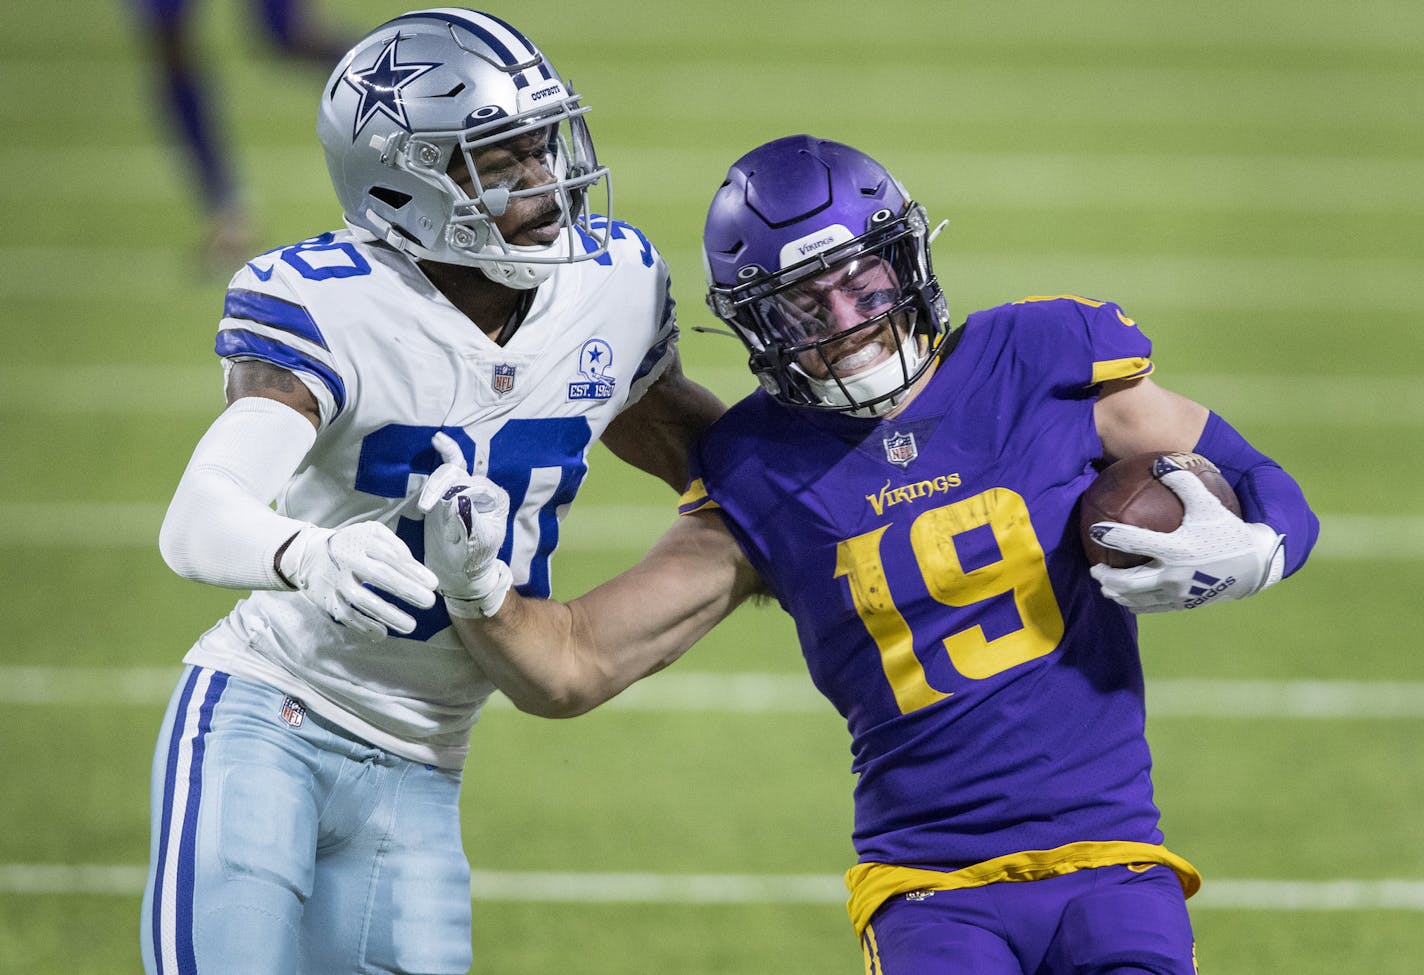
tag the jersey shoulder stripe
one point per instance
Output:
(243, 344)
(264, 309)
(655, 357)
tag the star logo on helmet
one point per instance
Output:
(380, 87)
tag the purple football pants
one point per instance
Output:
(1106, 921)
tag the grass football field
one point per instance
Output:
(1247, 180)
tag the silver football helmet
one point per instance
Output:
(433, 83)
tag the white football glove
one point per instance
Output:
(332, 568)
(1211, 557)
(465, 519)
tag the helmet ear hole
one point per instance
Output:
(392, 198)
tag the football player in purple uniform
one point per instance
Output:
(184, 93)
(907, 492)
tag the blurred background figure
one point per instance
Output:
(187, 97)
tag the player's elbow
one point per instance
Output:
(174, 546)
(567, 692)
(555, 702)
(593, 684)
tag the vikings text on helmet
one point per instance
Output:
(819, 261)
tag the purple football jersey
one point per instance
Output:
(942, 600)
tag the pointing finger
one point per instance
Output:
(448, 449)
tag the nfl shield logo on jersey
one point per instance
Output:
(900, 448)
(293, 711)
(502, 380)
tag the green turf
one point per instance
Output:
(1244, 179)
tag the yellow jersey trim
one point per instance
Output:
(1078, 298)
(695, 498)
(1133, 368)
(872, 884)
(696, 491)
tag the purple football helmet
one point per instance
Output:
(819, 261)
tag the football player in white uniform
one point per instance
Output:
(306, 778)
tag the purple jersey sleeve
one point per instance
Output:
(1115, 346)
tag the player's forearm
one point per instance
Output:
(1268, 494)
(562, 659)
(547, 658)
(522, 649)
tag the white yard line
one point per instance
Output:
(33, 879)
(766, 693)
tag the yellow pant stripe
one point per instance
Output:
(872, 952)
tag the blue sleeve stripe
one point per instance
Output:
(237, 342)
(654, 356)
(253, 306)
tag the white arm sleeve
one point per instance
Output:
(219, 528)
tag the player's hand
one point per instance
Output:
(465, 522)
(333, 569)
(1213, 556)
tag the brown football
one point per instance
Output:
(1128, 492)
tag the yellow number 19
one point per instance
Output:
(1020, 570)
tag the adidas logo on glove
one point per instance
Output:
(1206, 588)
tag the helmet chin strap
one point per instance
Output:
(873, 383)
(519, 276)
(514, 273)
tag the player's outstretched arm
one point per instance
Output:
(559, 660)
(655, 433)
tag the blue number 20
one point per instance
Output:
(390, 455)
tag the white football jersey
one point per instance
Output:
(391, 362)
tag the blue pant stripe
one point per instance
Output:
(169, 775)
(182, 891)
